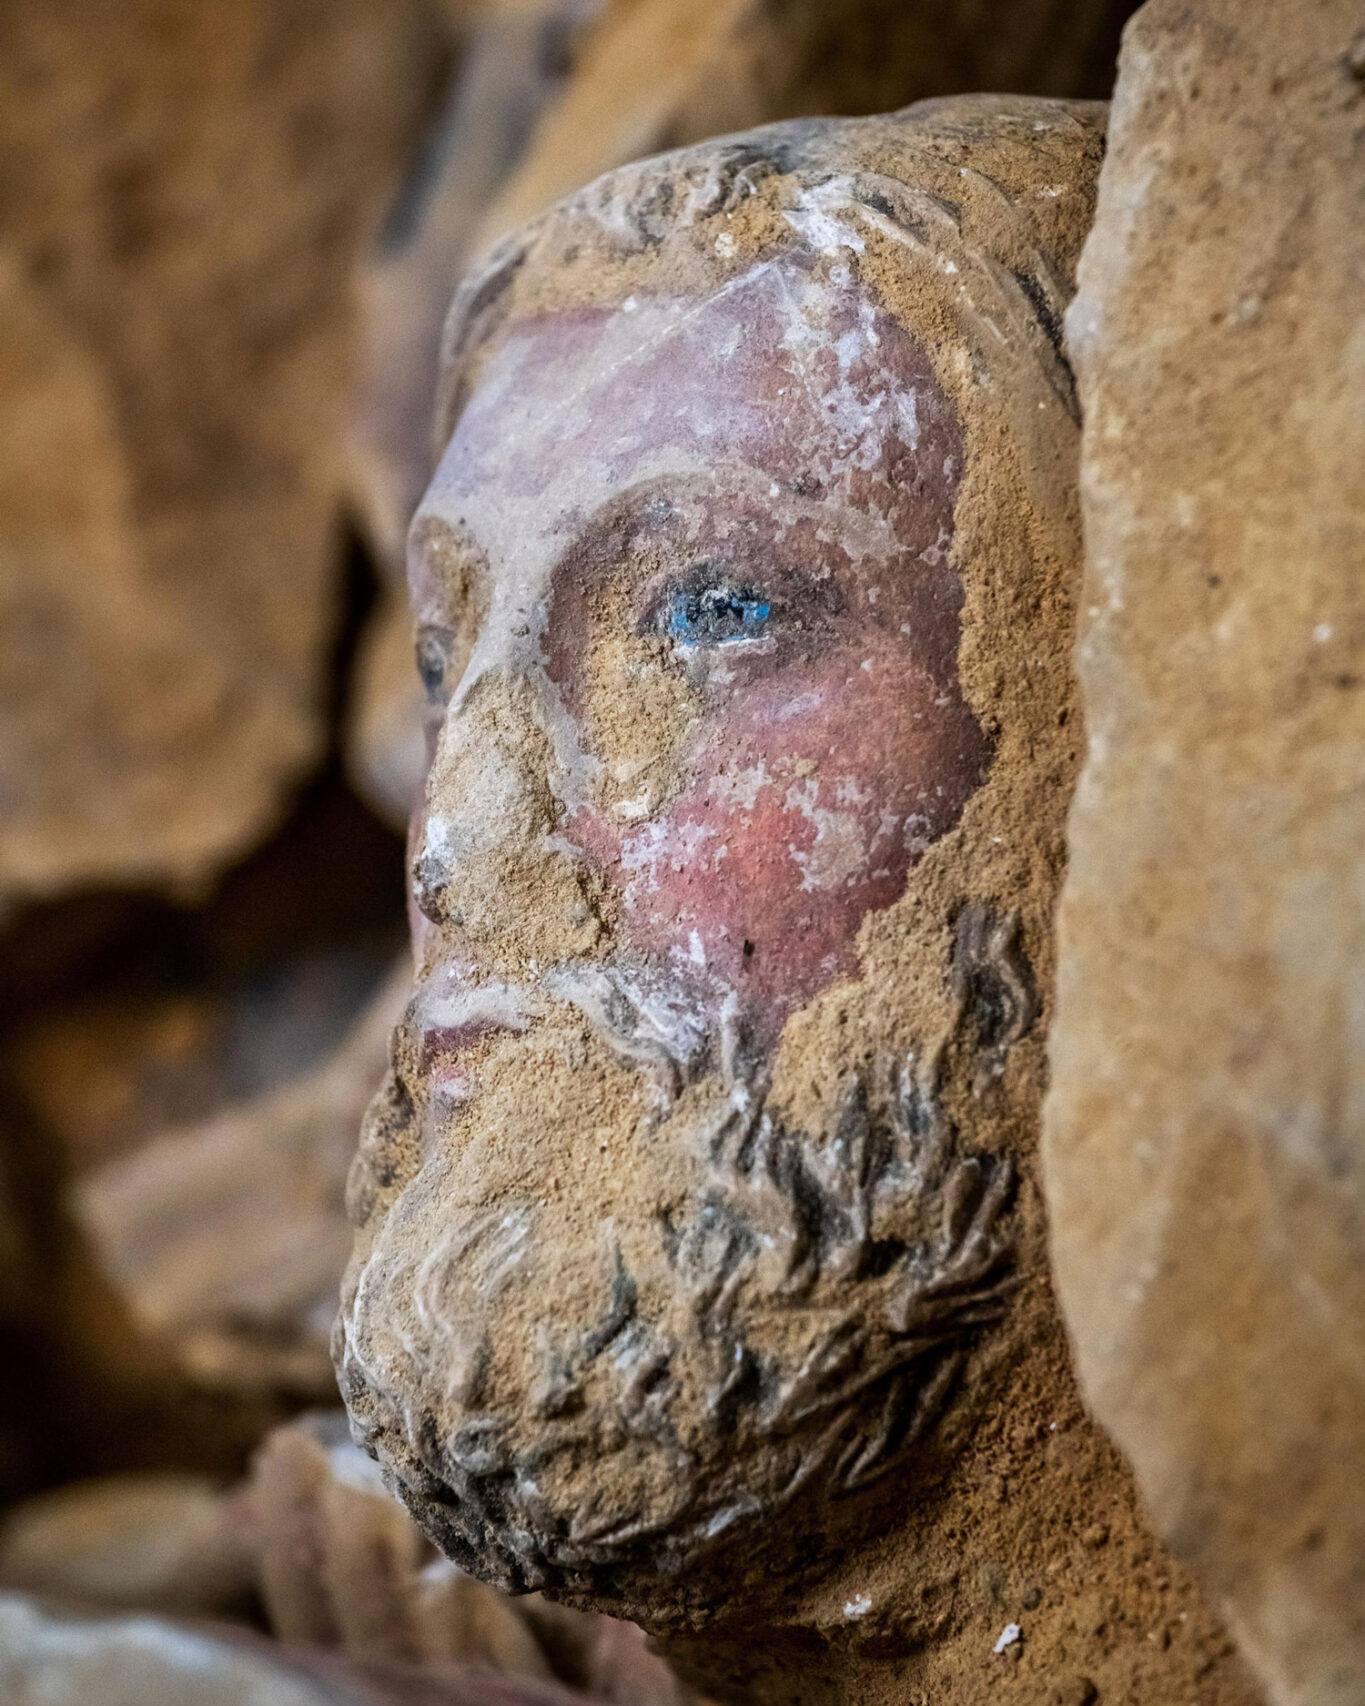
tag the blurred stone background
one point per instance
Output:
(228, 234)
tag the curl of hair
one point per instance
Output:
(891, 171)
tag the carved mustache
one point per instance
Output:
(668, 1025)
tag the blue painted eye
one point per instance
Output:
(712, 615)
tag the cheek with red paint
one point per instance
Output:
(805, 801)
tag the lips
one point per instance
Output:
(440, 1059)
(449, 1016)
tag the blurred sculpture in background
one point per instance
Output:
(50, 1655)
(700, 1272)
(337, 1566)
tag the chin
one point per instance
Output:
(736, 1371)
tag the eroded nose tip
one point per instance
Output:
(432, 865)
(487, 861)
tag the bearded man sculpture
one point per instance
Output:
(700, 1272)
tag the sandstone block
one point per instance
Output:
(1205, 1149)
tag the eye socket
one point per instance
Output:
(709, 609)
(434, 648)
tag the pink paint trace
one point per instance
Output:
(713, 546)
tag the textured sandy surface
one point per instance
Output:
(1206, 1129)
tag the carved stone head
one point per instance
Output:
(696, 1223)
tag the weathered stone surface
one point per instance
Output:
(184, 191)
(1206, 1130)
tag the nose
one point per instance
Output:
(488, 869)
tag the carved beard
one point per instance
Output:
(787, 1335)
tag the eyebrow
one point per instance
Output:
(661, 334)
(595, 544)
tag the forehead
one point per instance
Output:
(788, 379)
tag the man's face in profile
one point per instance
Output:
(689, 629)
